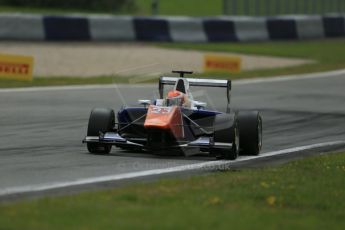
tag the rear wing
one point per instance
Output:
(198, 82)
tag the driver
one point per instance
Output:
(178, 98)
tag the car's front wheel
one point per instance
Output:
(101, 120)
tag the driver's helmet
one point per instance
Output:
(175, 97)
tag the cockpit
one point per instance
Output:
(180, 95)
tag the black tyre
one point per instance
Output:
(101, 120)
(227, 131)
(250, 125)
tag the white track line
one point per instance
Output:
(336, 73)
(153, 172)
(236, 82)
(63, 88)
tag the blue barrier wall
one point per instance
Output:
(169, 29)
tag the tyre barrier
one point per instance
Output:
(169, 29)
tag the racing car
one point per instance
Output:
(177, 123)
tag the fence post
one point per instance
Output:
(267, 6)
(323, 6)
(245, 7)
(287, 7)
(305, 6)
(225, 7)
(277, 5)
(234, 7)
(337, 6)
(313, 7)
(296, 6)
(155, 7)
(256, 9)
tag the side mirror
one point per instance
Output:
(144, 102)
(199, 104)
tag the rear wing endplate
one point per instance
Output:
(198, 82)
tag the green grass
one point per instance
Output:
(329, 50)
(242, 7)
(37, 10)
(143, 7)
(61, 81)
(328, 54)
(302, 194)
(182, 7)
(204, 8)
(34, 8)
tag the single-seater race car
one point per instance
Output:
(177, 123)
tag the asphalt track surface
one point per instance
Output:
(42, 129)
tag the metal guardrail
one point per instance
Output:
(282, 7)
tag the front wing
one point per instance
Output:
(204, 143)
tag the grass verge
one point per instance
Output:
(307, 193)
(328, 55)
(61, 81)
(142, 7)
(205, 8)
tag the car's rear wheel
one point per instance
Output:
(101, 120)
(250, 125)
(228, 132)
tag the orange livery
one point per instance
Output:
(165, 118)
